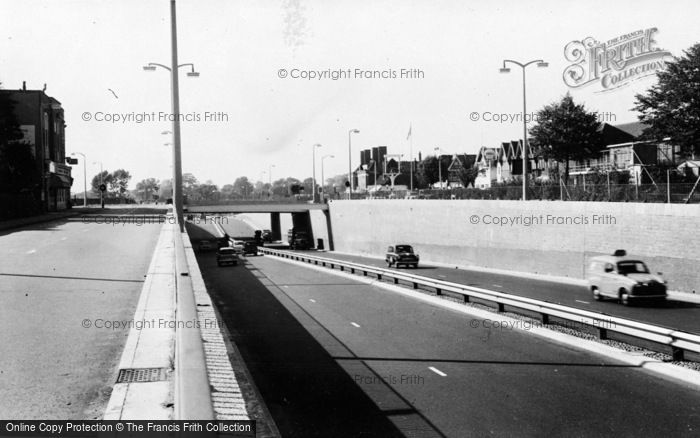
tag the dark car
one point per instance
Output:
(401, 255)
(267, 235)
(298, 239)
(226, 256)
(250, 248)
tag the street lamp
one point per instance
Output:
(173, 69)
(504, 69)
(439, 165)
(102, 199)
(313, 173)
(323, 180)
(84, 177)
(350, 132)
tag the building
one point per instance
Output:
(626, 151)
(458, 165)
(42, 123)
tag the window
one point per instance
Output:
(632, 267)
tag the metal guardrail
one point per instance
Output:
(679, 342)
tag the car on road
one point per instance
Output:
(238, 246)
(626, 279)
(401, 255)
(205, 245)
(226, 256)
(298, 239)
(250, 248)
(267, 235)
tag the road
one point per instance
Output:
(54, 277)
(682, 316)
(334, 356)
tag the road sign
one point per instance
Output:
(103, 187)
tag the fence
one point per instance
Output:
(658, 193)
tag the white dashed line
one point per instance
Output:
(312, 300)
(441, 276)
(355, 324)
(583, 302)
(497, 285)
(64, 238)
(437, 371)
(31, 251)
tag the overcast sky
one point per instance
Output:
(81, 49)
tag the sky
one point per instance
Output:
(251, 113)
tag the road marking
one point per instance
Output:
(441, 276)
(312, 300)
(437, 371)
(497, 285)
(355, 324)
(584, 302)
(63, 238)
(31, 251)
(285, 286)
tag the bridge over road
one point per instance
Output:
(305, 216)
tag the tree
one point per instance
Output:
(147, 189)
(119, 184)
(228, 192)
(566, 131)
(243, 187)
(189, 183)
(468, 175)
(166, 189)
(428, 172)
(207, 191)
(101, 178)
(671, 108)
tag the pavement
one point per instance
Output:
(62, 284)
(334, 355)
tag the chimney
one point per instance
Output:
(44, 87)
(420, 156)
(24, 85)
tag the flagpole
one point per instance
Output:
(410, 134)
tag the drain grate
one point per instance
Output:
(135, 375)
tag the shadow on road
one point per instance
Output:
(306, 390)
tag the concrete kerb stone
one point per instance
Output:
(151, 346)
(227, 399)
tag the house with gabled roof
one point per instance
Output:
(459, 163)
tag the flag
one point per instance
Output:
(409, 132)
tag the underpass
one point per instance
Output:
(336, 356)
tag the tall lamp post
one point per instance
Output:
(177, 163)
(84, 178)
(439, 163)
(323, 179)
(313, 173)
(504, 69)
(350, 132)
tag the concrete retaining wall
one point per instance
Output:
(559, 240)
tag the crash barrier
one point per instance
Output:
(677, 342)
